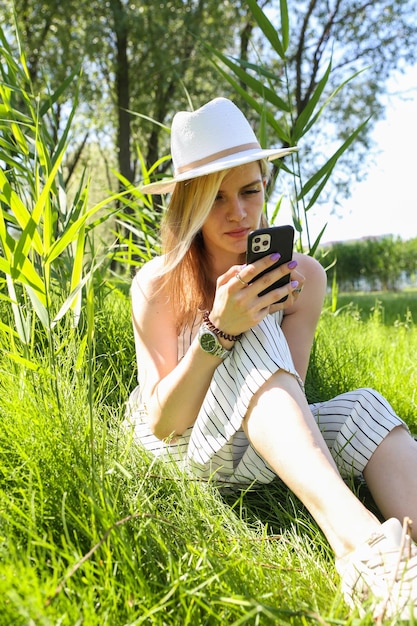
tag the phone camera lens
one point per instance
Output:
(257, 240)
(256, 248)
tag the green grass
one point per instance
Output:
(94, 532)
(392, 307)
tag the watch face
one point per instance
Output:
(208, 342)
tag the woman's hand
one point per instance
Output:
(295, 291)
(237, 305)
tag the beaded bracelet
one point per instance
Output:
(217, 331)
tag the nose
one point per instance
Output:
(236, 210)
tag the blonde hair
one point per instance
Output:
(186, 267)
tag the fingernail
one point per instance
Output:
(294, 284)
(292, 264)
(275, 256)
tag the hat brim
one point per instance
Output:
(167, 185)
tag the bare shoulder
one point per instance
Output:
(151, 304)
(154, 322)
(147, 279)
(311, 268)
(148, 289)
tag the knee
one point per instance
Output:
(373, 410)
(371, 397)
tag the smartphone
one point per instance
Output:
(266, 241)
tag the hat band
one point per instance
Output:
(216, 156)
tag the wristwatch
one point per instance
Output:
(210, 343)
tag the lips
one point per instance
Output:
(239, 232)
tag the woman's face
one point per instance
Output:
(236, 212)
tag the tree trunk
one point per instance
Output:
(122, 89)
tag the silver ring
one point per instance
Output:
(298, 290)
(241, 279)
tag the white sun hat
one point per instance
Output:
(211, 139)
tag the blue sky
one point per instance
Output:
(386, 201)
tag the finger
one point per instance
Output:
(296, 275)
(252, 270)
(294, 291)
(240, 279)
(229, 275)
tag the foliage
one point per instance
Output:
(295, 121)
(391, 308)
(95, 532)
(136, 57)
(47, 257)
(385, 263)
(142, 64)
(370, 340)
(369, 40)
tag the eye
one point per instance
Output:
(252, 190)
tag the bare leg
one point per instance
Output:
(289, 439)
(391, 475)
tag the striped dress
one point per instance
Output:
(215, 447)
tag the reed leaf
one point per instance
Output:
(77, 270)
(323, 174)
(70, 234)
(39, 305)
(285, 24)
(256, 106)
(258, 86)
(68, 303)
(72, 297)
(56, 95)
(305, 120)
(26, 363)
(8, 330)
(21, 213)
(269, 29)
(22, 321)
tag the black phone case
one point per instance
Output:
(266, 241)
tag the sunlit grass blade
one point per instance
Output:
(26, 363)
(39, 305)
(21, 213)
(71, 232)
(19, 138)
(77, 270)
(4, 266)
(40, 209)
(23, 271)
(8, 330)
(75, 293)
(22, 321)
(317, 241)
(69, 301)
(276, 210)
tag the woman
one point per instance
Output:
(237, 413)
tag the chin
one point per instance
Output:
(241, 252)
